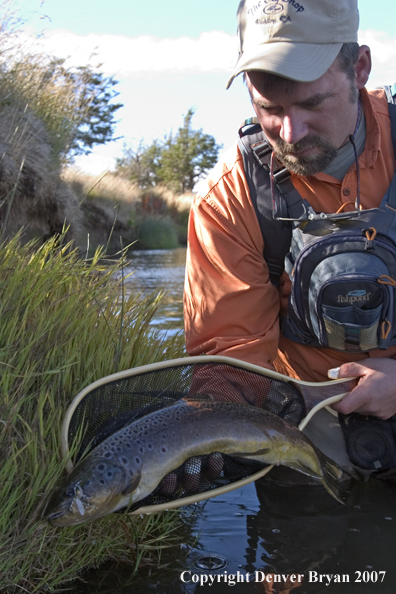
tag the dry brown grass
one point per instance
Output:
(32, 195)
(117, 189)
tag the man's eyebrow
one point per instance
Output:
(313, 101)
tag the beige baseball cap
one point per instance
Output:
(297, 40)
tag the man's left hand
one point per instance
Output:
(375, 392)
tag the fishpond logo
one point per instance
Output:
(353, 296)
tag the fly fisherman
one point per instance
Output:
(306, 77)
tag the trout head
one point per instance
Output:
(94, 488)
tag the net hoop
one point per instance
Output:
(189, 361)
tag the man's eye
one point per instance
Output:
(314, 106)
(271, 110)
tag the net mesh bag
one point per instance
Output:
(115, 404)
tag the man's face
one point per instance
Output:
(305, 122)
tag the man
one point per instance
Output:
(306, 76)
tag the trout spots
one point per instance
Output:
(107, 454)
(137, 459)
(164, 449)
(124, 460)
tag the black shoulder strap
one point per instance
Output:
(390, 196)
(392, 117)
(276, 234)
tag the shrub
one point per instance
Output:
(158, 233)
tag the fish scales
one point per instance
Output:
(129, 465)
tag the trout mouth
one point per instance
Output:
(80, 509)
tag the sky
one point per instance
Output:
(170, 56)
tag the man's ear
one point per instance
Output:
(362, 67)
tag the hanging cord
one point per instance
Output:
(352, 141)
(274, 209)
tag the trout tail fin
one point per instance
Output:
(331, 475)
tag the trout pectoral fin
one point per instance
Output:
(133, 483)
(256, 453)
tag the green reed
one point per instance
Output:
(61, 328)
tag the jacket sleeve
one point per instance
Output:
(230, 306)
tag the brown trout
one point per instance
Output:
(127, 466)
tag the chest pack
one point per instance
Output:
(342, 266)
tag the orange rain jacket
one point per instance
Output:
(230, 306)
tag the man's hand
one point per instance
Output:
(375, 392)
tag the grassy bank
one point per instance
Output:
(112, 205)
(60, 330)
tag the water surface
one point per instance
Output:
(160, 270)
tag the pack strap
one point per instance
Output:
(390, 196)
(392, 117)
(276, 233)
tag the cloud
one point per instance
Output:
(213, 51)
(383, 53)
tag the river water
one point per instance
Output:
(275, 535)
(160, 270)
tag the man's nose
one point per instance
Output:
(293, 128)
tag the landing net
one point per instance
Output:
(110, 404)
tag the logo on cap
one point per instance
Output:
(273, 7)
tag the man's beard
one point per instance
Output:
(305, 165)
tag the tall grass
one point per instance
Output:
(61, 328)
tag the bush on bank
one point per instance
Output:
(61, 329)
